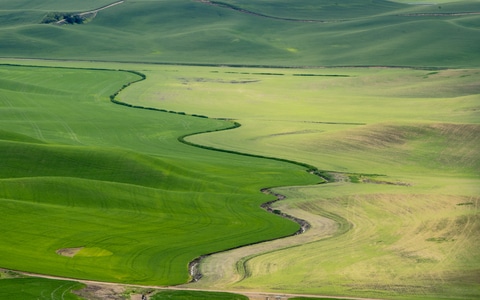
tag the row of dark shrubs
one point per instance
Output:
(112, 98)
(322, 75)
(143, 77)
(325, 175)
(281, 74)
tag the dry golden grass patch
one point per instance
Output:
(397, 243)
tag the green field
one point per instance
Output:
(35, 288)
(183, 31)
(121, 194)
(128, 176)
(15, 286)
(187, 295)
(417, 130)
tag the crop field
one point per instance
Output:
(187, 295)
(139, 148)
(277, 33)
(407, 153)
(117, 195)
(37, 288)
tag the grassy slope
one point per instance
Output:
(374, 112)
(316, 10)
(32, 288)
(405, 243)
(243, 39)
(417, 127)
(184, 31)
(55, 5)
(422, 142)
(187, 295)
(75, 174)
(19, 13)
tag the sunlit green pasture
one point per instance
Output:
(37, 288)
(416, 128)
(380, 118)
(198, 295)
(79, 172)
(94, 190)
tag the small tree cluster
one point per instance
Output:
(69, 18)
(74, 19)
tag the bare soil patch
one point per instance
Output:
(103, 292)
(69, 252)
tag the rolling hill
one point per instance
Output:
(133, 176)
(250, 33)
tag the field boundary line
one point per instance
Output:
(453, 14)
(249, 12)
(179, 288)
(257, 14)
(230, 65)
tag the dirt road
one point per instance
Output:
(95, 290)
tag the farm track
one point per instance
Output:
(248, 12)
(103, 289)
(102, 8)
(245, 11)
(459, 14)
(92, 12)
